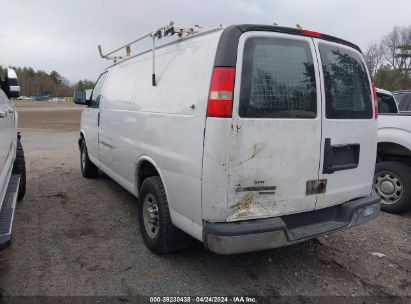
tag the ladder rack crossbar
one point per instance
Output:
(165, 30)
(162, 28)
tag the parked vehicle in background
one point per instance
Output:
(392, 180)
(403, 99)
(12, 163)
(23, 98)
(41, 97)
(231, 143)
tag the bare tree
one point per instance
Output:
(394, 44)
(374, 56)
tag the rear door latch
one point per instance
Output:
(316, 186)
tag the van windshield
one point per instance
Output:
(347, 88)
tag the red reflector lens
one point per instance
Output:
(311, 33)
(220, 100)
(374, 96)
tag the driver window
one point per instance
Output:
(96, 94)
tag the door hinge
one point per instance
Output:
(316, 186)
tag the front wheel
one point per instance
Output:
(392, 182)
(157, 230)
(88, 169)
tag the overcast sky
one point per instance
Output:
(63, 35)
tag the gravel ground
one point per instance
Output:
(74, 236)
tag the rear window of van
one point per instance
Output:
(346, 84)
(277, 79)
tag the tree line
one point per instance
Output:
(33, 82)
(389, 59)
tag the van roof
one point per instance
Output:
(295, 31)
(227, 48)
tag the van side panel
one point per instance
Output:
(165, 122)
(215, 169)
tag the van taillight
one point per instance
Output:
(374, 95)
(220, 99)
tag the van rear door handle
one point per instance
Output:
(10, 110)
(3, 114)
(340, 157)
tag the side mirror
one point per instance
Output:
(80, 97)
(88, 94)
(11, 84)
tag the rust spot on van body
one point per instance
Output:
(243, 206)
(254, 204)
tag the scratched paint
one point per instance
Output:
(280, 153)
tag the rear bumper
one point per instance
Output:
(260, 234)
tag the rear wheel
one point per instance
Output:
(88, 169)
(392, 182)
(19, 167)
(157, 230)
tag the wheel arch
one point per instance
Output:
(395, 137)
(392, 148)
(146, 167)
(82, 136)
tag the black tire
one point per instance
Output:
(88, 169)
(168, 238)
(19, 167)
(398, 174)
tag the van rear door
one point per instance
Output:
(275, 134)
(349, 130)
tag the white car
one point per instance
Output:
(23, 98)
(246, 138)
(12, 162)
(392, 181)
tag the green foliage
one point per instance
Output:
(389, 59)
(392, 79)
(40, 82)
(84, 85)
(56, 77)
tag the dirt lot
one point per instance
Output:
(74, 236)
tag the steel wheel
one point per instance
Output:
(150, 216)
(388, 186)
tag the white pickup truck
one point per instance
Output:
(12, 163)
(392, 179)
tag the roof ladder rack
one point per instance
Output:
(166, 30)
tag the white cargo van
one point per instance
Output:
(246, 137)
